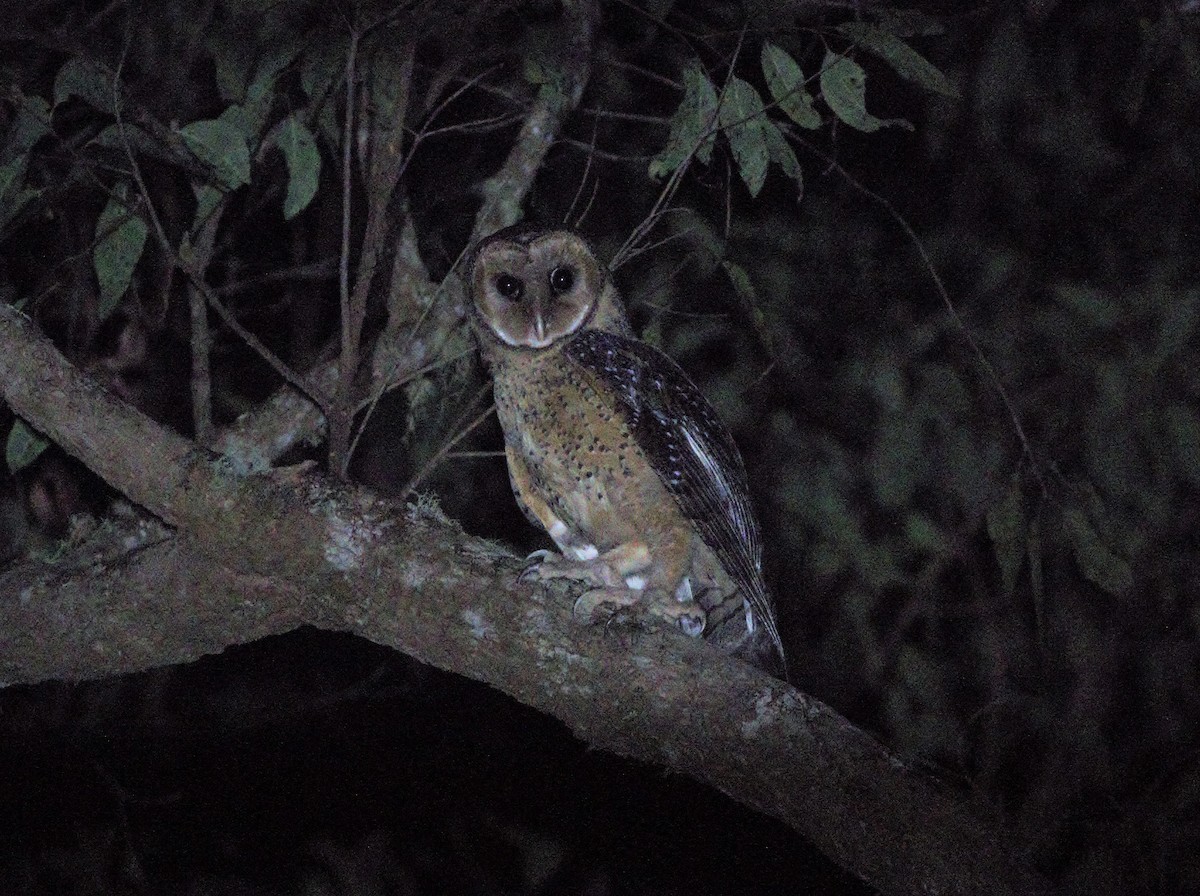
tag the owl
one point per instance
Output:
(614, 451)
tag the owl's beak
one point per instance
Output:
(539, 327)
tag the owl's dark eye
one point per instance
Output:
(509, 286)
(562, 279)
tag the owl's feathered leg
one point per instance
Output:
(601, 604)
(625, 576)
(629, 576)
(622, 567)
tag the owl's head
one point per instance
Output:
(532, 288)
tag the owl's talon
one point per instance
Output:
(607, 601)
(533, 564)
(692, 625)
(598, 572)
(612, 604)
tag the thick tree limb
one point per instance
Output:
(263, 554)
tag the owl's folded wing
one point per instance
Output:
(691, 451)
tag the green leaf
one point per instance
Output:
(13, 193)
(140, 143)
(893, 461)
(299, 150)
(12, 177)
(923, 534)
(1177, 323)
(321, 68)
(232, 60)
(785, 80)
(387, 86)
(943, 388)
(692, 130)
(1006, 528)
(221, 144)
(782, 154)
(121, 237)
(260, 95)
(908, 63)
(389, 78)
(1095, 306)
(1037, 579)
(536, 71)
(741, 283)
(1096, 560)
(243, 120)
(23, 446)
(844, 87)
(208, 198)
(876, 563)
(1183, 429)
(29, 125)
(86, 79)
(744, 121)
(748, 297)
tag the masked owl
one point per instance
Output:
(614, 451)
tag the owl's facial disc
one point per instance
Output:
(537, 293)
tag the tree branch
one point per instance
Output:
(288, 418)
(262, 554)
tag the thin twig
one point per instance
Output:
(627, 116)
(200, 377)
(587, 168)
(648, 73)
(605, 154)
(947, 303)
(669, 238)
(392, 385)
(673, 182)
(591, 199)
(323, 269)
(478, 126)
(440, 454)
(342, 416)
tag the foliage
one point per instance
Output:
(979, 506)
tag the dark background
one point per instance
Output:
(1003, 585)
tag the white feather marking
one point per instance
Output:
(585, 552)
(709, 463)
(683, 593)
(635, 583)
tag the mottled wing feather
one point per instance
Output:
(690, 449)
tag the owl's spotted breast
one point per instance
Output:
(580, 452)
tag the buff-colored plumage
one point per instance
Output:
(612, 450)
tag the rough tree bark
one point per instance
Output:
(248, 556)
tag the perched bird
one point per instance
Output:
(614, 451)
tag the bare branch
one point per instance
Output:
(505, 190)
(285, 419)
